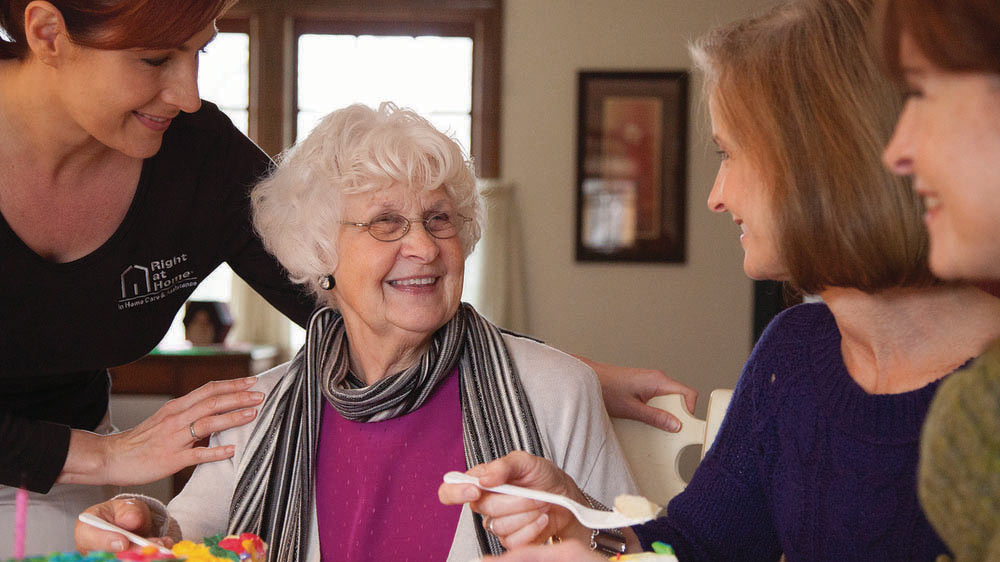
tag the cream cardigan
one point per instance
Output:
(564, 395)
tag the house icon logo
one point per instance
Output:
(135, 282)
(143, 285)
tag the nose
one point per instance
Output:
(419, 244)
(716, 196)
(898, 154)
(181, 89)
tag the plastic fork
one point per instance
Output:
(95, 521)
(591, 518)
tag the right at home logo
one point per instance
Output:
(143, 284)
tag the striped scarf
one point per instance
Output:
(275, 486)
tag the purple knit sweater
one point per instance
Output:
(806, 463)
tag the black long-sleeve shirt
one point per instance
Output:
(63, 324)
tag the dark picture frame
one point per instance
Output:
(631, 166)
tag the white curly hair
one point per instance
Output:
(297, 208)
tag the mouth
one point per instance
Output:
(743, 227)
(152, 121)
(414, 282)
(931, 200)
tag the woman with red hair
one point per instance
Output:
(119, 191)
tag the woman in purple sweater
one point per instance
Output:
(817, 456)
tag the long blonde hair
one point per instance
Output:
(804, 95)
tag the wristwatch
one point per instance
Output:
(607, 541)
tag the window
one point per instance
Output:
(285, 37)
(223, 78)
(431, 75)
(275, 68)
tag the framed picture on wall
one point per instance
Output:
(631, 175)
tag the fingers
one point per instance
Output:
(131, 515)
(658, 384)
(457, 494)
(626, 392)
(670, 386)
(202, 427)
(214, 405)
(516, 520)
(660, 418)
(502, 506)
(199, 455)
(211, 408)
(208, 391)
(517, 467)
(495, 472)
(489, 504)
(500, 471)
(520, 529)
(656, 417)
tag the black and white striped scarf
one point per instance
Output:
(275, 486)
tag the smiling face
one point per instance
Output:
(126, 99)
(408, 288)
(948, 139)
(739, 190)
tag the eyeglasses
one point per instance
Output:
(392, 227)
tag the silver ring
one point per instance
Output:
(193, 434)
(490, 527)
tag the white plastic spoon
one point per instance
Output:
(95, 521)
(591, 518)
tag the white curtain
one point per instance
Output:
(494, 278)
(257, 322)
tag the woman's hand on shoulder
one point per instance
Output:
(166, 442)
(570, 551)
(627, 389)
(129, 514)
(514, 520)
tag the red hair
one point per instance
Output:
(955, 35)
(114, 24)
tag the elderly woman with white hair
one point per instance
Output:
(399, 381)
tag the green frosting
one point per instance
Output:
(959, 475)
(662, 548)
(215, 550)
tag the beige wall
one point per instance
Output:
(691, 320)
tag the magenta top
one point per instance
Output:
(376, 483)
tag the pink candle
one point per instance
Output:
(20, 521)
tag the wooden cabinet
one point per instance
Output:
(176, 373)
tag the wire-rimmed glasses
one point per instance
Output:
(391, 227)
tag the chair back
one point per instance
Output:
(654, 455)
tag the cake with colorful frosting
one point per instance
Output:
(247, 547)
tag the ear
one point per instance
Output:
(45, 30)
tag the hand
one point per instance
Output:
(129, 514)
(514, 520)
(163, 444)
(626, 391)
(571, 551)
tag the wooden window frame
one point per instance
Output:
(274, 26)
